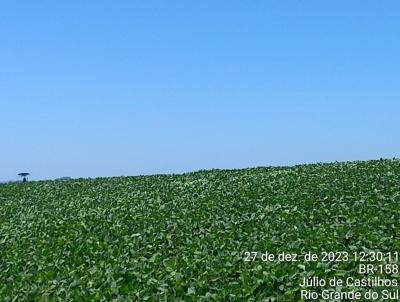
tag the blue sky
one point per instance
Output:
(109, 88)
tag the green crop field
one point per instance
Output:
(186, 237)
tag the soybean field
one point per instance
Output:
(188, 237)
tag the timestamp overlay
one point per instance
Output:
(367, 275)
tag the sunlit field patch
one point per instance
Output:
(183, 237)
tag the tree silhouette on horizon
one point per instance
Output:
(24, 176)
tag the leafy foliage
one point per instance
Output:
(182, 237)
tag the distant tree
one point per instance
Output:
(24, 176)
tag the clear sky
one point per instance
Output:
(109, 88)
